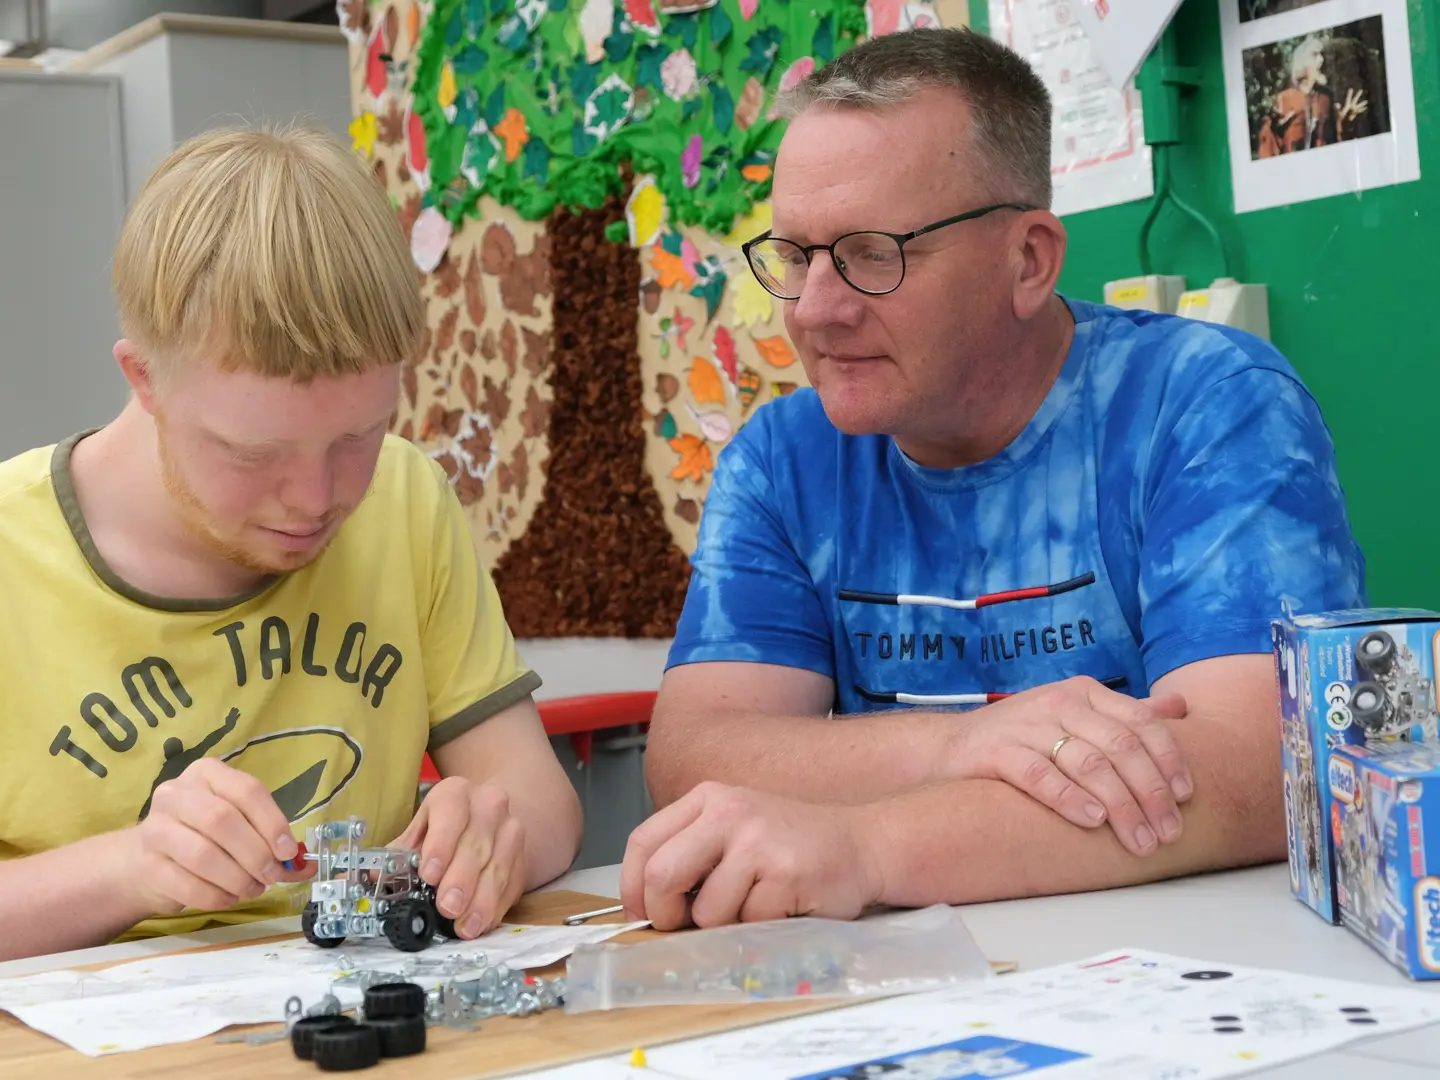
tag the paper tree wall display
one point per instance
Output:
(575, 178)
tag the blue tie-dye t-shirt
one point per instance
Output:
(1175, 488)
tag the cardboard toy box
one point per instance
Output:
(1346, 678)
(1387, 850)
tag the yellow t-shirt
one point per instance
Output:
(327, 684)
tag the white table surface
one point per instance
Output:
(1245, 917)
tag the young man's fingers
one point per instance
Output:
(499, 884)
(186, 890)
(254, 801)
(447, 819)
(221, 822)
(201, 857)
(455, 890)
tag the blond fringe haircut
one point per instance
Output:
(273, 251)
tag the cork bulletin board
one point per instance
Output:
(575, 178)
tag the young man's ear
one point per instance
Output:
(137, 373)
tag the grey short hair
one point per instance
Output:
(1010, 103)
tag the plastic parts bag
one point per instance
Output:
(893, 953)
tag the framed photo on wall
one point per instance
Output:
(1319, 98)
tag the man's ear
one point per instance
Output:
(136, 370)
(1041, 249)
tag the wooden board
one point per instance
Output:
(503, 1046)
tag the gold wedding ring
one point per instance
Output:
(1055, 750)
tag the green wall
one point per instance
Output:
(1354, 289)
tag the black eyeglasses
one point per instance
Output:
(870, 262)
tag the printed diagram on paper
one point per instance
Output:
(146, 1002)
(1132, 1015)
(1098, 151)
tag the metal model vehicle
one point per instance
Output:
(1395, 697)
(361, 892)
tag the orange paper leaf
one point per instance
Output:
(756, 173)
(671, 269)
(513, 130)
(694, 457)
(705, 383)
(776, 351)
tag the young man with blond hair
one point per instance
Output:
(242, 607)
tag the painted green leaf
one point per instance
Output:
(495, 107)
(691, 107)
(608, 108)
(470, 60)
(455, 28)
(720, 26)
(764, 46)
(467, 109)
(583, 78)
(570, 35)
(621, 39)
(713, 290)
(513, 33)
(475, 15)
(672, 242)
(650, 57)
(668, 428)
(686, 26)
(581, 140)
(724, 105)
(536, 156)
(824, 47)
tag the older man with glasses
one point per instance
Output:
(986, 612)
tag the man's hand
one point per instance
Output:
(1117, 762)
(744, 856)
(213, 838)
(472, 850)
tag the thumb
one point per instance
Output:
(414, 832)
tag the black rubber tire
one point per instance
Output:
(307, 924)
(402, 999)
(1375, 652)
(444, 926)
(302, 1033)
(400, 1036)
(344, 1049)
(1370, 706)
(410, 925)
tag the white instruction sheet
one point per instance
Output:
(1098, 154)
(1129, 1014)
(134, 1005)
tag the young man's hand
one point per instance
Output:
(213, 838)
(472, 850)
(725, 854)
(1092, 755)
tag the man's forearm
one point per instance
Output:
(67, 898)
(844, 760)
(971, 841)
